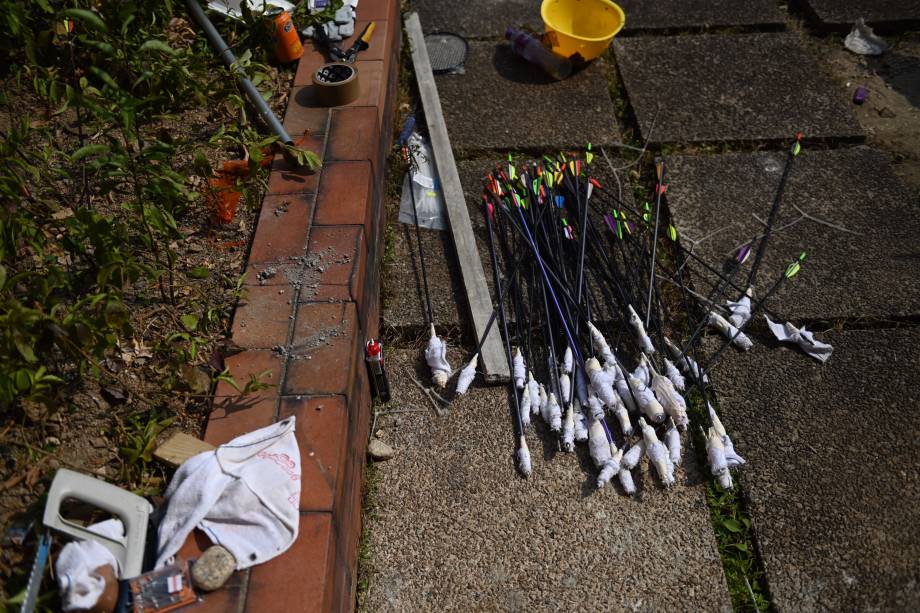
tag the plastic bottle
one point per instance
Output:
(533, 51)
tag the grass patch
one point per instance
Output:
(368, 509)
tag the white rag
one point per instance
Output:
(244, 495)
(803, 338)
(79, 584)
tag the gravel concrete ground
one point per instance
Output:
(457, 529)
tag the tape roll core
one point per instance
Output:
(336, 84)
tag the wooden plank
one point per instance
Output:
(179, 448)
(492, 357)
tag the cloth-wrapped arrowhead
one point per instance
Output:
(715, 451)
(544, 399)
(725, 479)
(632, 455)
(672, 402)
(595, 407)
(738, 338)
(741, 309)
(525, 408)
(623, 419)
(601, 384)
(614, 371)
(598, 446)
(732, 459)
(520, 370)
(533, 388)
(674, 375)
(642, 372)
(658, 454)
(552, 413)
(436, 357)
(648, 404)
(626, 395)
(581, 426)
(568, 431)
(565, 389)
(467, 375)
(788, 333)
(626, 480)
(644, 341)
(672, 440)
(603, 349)
(523, 457)
(567, 361)
(686, 364)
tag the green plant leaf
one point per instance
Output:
(732, 525)
(26, 351)
(190, 322)
(116, 313)
(199, 272)
(88, 150)
(2, 276)
(89, 18)
(157, 45)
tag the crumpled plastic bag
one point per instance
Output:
(429, 198)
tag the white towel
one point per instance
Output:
(244, 495)
(788, 333)
(79, 584)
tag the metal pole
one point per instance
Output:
(217, 42)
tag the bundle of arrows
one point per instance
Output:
(601, 331)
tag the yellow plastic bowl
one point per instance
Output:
(585, 27)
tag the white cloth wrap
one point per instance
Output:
(520, 370)
(674, 375)
(672, 439)
(567, 360)
(642, 373)
(787, 333)
(79, 584)
(633, 455)
(598, 446)
(740, 311)
(715, 450)
(660, 458)
(525, 408)
(533, 388)
(644, 341)
(581, 427)
(613, 371)
(602, 386)
(436, 355)
(552, 413)
(648, 404)
(738, 338)
(565, 389)
(623, 392)
(523, 458)
(596, 407)
(626, 481)
(623, 418)
(466, 377)
(244, 495)
(732, 459)
(568, 431)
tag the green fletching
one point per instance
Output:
(793, 269)
(672, 233)
(796, 148)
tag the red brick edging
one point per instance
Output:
(322, 235)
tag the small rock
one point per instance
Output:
(53, 440)
(102, 471)
(114, 395)
(379, 451)
(213, 568)
(886, 113)
(98, 442)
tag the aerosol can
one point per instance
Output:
(373, 353)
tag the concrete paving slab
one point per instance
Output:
(887, 14)
(831, 478)
(739, 87)
(454, 527)
(642, 15)
(503, 102)
(478, 18)
(869, 271)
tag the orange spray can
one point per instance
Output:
(284, 37)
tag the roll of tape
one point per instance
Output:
(336, 84)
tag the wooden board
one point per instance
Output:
(492, 357)
(179, 448)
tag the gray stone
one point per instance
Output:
(738, 87)
(379, 451)
(505, 103)
(455, 527)
(831, 476)
(674, 14)
(478, 18)
(870, 271)
(886, 14)
(213, 568)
